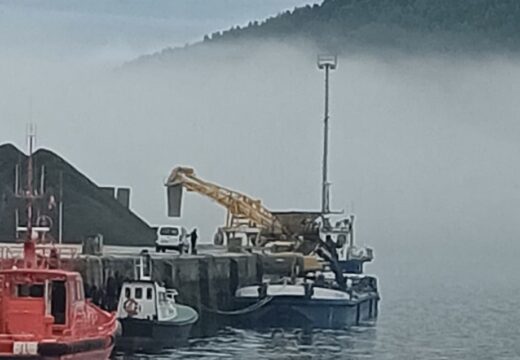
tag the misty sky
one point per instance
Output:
(424, 150)
(116, 30)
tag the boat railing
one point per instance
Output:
(10, 255)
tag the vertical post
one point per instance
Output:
(17, 221)
(29, 247)
(60, 211)
(16, 179)
(30, 191)
(325, 208)
(16, 193)
(42, 180)
(351, 243)
(327, 63)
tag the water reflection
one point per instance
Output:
(353, 344)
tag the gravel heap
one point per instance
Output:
(88, 210)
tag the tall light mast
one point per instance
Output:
(327, 63)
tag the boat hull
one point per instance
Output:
(291, 311)
(140, 335)
(101, 354)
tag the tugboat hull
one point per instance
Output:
(140, 335)
(61, 351)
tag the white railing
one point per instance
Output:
(15, 251)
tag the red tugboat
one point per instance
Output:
(43, 311)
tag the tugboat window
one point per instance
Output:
(138, 293)
(127, 293)
(149, 293)
(36, 291)
(22, 290)
(58, 301)
(26, 290)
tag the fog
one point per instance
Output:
(110, 32)
(423, 149)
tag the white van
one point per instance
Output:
(171, 237)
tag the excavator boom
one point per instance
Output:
(240, 207)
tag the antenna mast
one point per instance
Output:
(29, 244)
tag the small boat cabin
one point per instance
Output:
(42, 302)
(146, 299)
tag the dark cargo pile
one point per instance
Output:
(87, 208)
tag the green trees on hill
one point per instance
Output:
(422, 24)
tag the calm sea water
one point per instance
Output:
(433, 307)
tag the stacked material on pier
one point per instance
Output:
(87, 208)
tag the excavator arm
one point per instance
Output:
(241, 209)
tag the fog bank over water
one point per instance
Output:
(422, 149)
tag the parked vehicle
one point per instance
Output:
(172, 237)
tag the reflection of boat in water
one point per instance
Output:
(149, 315)
(333, 294)
(43, 311)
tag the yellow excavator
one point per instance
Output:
(245, 215)
(249, 224)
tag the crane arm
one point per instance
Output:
(238, 205)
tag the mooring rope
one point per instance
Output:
(246, 310)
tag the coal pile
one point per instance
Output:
(87, 208)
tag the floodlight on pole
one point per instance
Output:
(330, 61)
(327, 63)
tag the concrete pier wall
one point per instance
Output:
(203, 281)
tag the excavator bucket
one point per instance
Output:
(174, 194)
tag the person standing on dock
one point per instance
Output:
(331, 246)
(184, 247)
(193, 238)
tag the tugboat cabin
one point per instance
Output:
(44, 311)
(42, 303)
(149, 316)
(146, 300)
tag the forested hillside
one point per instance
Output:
(402, 25)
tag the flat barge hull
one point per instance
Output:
(290, 312)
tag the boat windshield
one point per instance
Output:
(29, 290)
